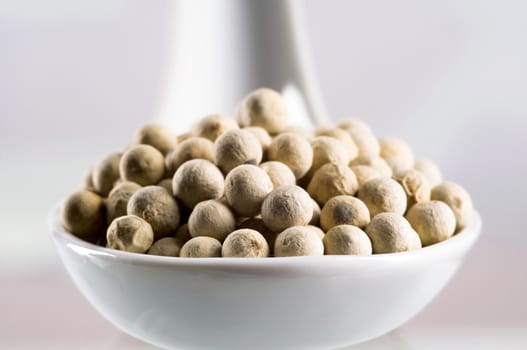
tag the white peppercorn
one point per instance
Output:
(344, 137)
(327, 150)
(261, 134)
(383, 195)
(415, 185)
(184, 136)
(166, 184)
(317, 230)
(366, 142)
(168, 246)
(197, 180)
(341, 210)
(332, 180)
(87, 181)
(265, 108)
(142, 164)
(434, 221)
(83, 214)
(105, 173)
(375, 162)
(458, 199)
(118, 199)
(246, 187)
(430, 170)
(397, 153)
(211, 218)
(130, 233)
(212, 126)
(392, 233)
(294, 151)
(156, 206)
(347, 240)
(287, 206)
(236, 147)
(279, 173)
(245, 243)
(354, 124)
(257, 224)
(182, 234)
(157, 136)
(365, 173)
(315, 220)
(298, 241)
(307, 133)
(191, 148)
(201, 247)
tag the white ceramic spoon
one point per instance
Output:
(221, 50)
(323, 302)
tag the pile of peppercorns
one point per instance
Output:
(253, 186)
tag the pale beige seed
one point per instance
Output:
(392, 233)
(347, 240)
(375, 162)
(415, 185)
(383, 195)
(294, 151)
(182, 234)
(367, 143)
(168, 246)
(317, 230)
(397, 165)
(212, 126)
(344, 137)
(332, 180)
(131, 234)
(157, 136)
(158, 207)
(307, 133)
(118, 199)
(201, 247)
(458, 199)
(342, 210)
(246, 187)
(430, 170)
(257, 224)
(434, 221)
(212, 219)
(166, 184)
(83, 214)
(245, 243)
(354, 124)
(87, 181)
(397, 153)
(365, 173)
(142, 164)
(105, 173)
(279, 173)
(298, 241)
(287, 206)
(191, 148)
(315, 220)
(327, 149)
(182, 137)
(265, 108)
(236, 147)
(261, 134)
(197, 180)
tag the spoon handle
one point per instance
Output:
(221, 50)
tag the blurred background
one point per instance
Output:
(78, 78)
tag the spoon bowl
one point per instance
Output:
(268, 303)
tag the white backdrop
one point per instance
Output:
(77, 78)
